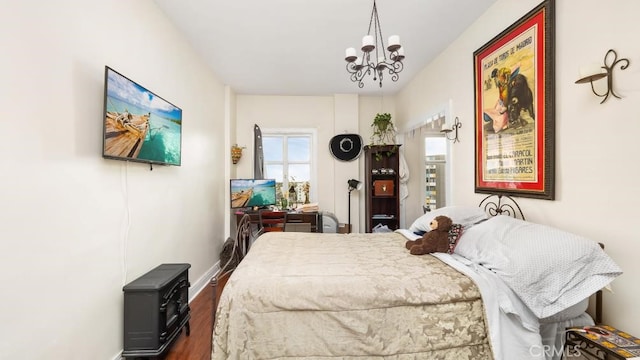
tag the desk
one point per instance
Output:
(298, 222)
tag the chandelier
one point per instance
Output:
(377, 62)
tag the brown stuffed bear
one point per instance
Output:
(436, 240)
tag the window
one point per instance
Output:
(429, 143)
(435, 161)
(289, 158)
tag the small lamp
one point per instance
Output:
(353, 185)
(456, 125)
(597, 73)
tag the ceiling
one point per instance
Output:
(297, 47)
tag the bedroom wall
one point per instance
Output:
(230, 169)
(300, 112)
(596, 194)
(76, 227)
(329, 115)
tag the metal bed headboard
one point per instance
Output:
(503, 205)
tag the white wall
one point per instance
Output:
(76, 227)
(330, 116)
(596, 145)
(278, 112)
(300, 112)
(229, 167)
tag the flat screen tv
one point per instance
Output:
(252, 193)
(138, 124)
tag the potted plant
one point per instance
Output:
(384, 133)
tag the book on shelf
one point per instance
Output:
(382, 216)
(615, 340)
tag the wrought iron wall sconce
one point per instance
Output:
(454, 128)
(604, 71)
(236, 153)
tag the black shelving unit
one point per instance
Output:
(382, 205)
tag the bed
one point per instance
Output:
(363, 296)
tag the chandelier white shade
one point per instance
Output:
(374, 59)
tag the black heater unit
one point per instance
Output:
(156, 308)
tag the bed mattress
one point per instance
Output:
(327, 296)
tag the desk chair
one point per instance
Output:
(273, 220)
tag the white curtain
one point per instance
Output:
(404, 176)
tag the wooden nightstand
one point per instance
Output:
(600, 342)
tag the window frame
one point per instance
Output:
(312, 133)
(447, 166)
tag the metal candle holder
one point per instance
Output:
(608, 74)
(456, 125)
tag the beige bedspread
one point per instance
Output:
(355, 296)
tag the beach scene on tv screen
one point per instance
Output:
(249, 193)
(140, 125)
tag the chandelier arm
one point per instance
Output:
(358, 74)
(356, 79)
(351, 68)
(396, 67)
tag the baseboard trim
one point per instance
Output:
(203, 281)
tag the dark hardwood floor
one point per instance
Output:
(197, 346)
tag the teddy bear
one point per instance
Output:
(436, 240)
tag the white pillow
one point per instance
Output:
(569, 313)
(549, 269)
(463, 215)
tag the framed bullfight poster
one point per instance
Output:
(514, 108)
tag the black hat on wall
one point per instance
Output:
(346, 147)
